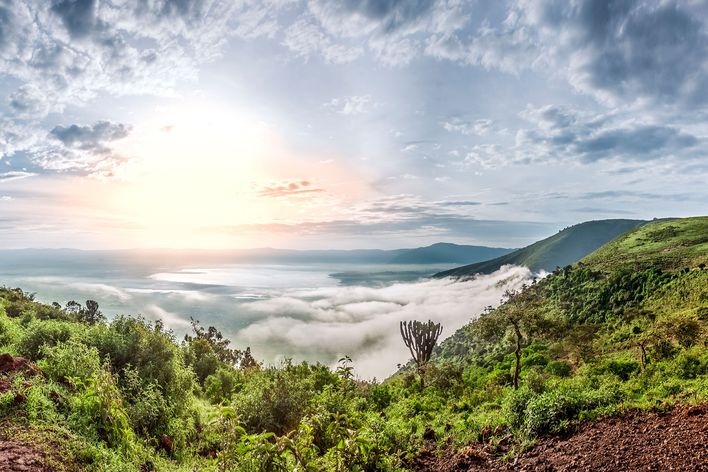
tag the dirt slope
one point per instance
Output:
(16, 456)
(638, 441)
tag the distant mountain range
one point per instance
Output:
(440, 253)
(566, 247)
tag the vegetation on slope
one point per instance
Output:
(566, 247)
(593, 338)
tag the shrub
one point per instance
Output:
(380, 396)
(688, 366)
(621, 368)
(98, 410)
(219, 386)
(559, 368)
(44, 332)
(548, 413)
(552, 412)
(534, 360)
(514, 406)
(71, 359)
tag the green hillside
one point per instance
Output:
(566, 247)
(625, 328)
(667, 244)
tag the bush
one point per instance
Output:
(514, 406)
(219, 386)
(534, 360)
(553, 411)
(98, 410)
(559, 368)
(621, 368)
(71, 359)
(149, 349)
(689, 366)
(45, 332)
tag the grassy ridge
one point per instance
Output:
(668, 244)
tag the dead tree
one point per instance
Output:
(420, 338)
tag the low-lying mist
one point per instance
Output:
(276, 310)
(362, 322)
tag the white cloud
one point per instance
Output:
(352, 104)
(362, 322)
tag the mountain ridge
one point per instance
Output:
(566, 247)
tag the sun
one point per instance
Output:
(196, 175)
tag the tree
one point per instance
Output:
(420, 338)
(521, 317)
(90, 313)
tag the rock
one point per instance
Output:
(166, 444)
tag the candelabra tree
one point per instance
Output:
(420, 338)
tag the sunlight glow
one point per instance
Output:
(197, 174)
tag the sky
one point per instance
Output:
(345, 124)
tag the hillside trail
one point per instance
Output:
(676, 440)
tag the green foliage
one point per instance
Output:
(70, 361)
(98, 411)
(559, 368)
(39, 333)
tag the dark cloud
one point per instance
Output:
(78, 16)
(641, 143)
(460, 203)
(564, 133)
(390, 14)
(614, 194)
(645, 50)
(627, 49)
(90, 137)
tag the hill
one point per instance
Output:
(566, 247)
(448, 253)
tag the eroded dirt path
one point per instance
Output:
(16, 456)
(637, 441)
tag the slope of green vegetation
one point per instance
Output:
(626, 327)
(566, 247)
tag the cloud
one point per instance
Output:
(82, 149)
(68, 52)
(90, 137)
(407, 218)
(362, 322)
(564, 133)
(622, 52)
(352, 104)
(478, 127)
(393, 30)
(28, 101)
(306, 39)
(14, 175)
(288, 189)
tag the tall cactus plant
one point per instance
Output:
(420, 338)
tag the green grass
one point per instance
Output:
(667, 244)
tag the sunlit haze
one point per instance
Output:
(219, 124)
